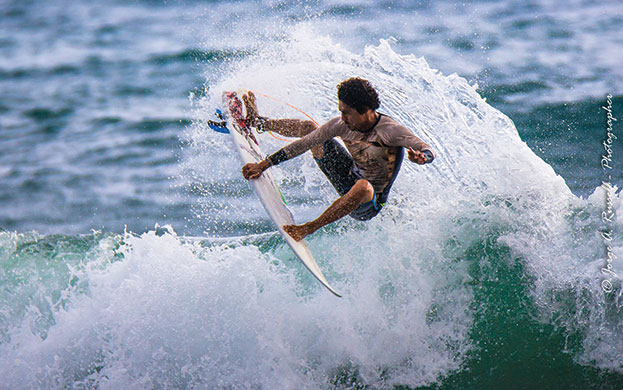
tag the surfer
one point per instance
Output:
(363, 175)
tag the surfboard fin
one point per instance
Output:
(219, 125)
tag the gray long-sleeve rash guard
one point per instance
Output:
(374, 152)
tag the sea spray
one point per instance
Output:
(181, 313)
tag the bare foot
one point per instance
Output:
(251, 107)
(298, 232)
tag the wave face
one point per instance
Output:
(482, 270)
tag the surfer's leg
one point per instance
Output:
(361, 192)
(337, 166)
(287, 127)
(294, 128)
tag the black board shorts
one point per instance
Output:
(337, 165)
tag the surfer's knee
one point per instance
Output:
(363, 190)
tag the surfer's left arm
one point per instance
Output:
(418, 151)
(314, 138)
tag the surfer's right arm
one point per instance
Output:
(310, 135)
(285, 127)
(314, 138)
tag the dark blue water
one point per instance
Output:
(484, 271)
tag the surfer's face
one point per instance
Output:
(353, 119)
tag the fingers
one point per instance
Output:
(252, 175)
(417, 157)
(245, 171)
(249, 172)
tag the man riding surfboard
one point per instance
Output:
(364, 173)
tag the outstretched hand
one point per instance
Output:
(416, 156)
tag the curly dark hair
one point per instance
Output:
(359, 94)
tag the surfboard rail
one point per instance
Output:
(265, 186)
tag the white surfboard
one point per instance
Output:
(265, 186)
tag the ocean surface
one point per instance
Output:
(134, 255)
